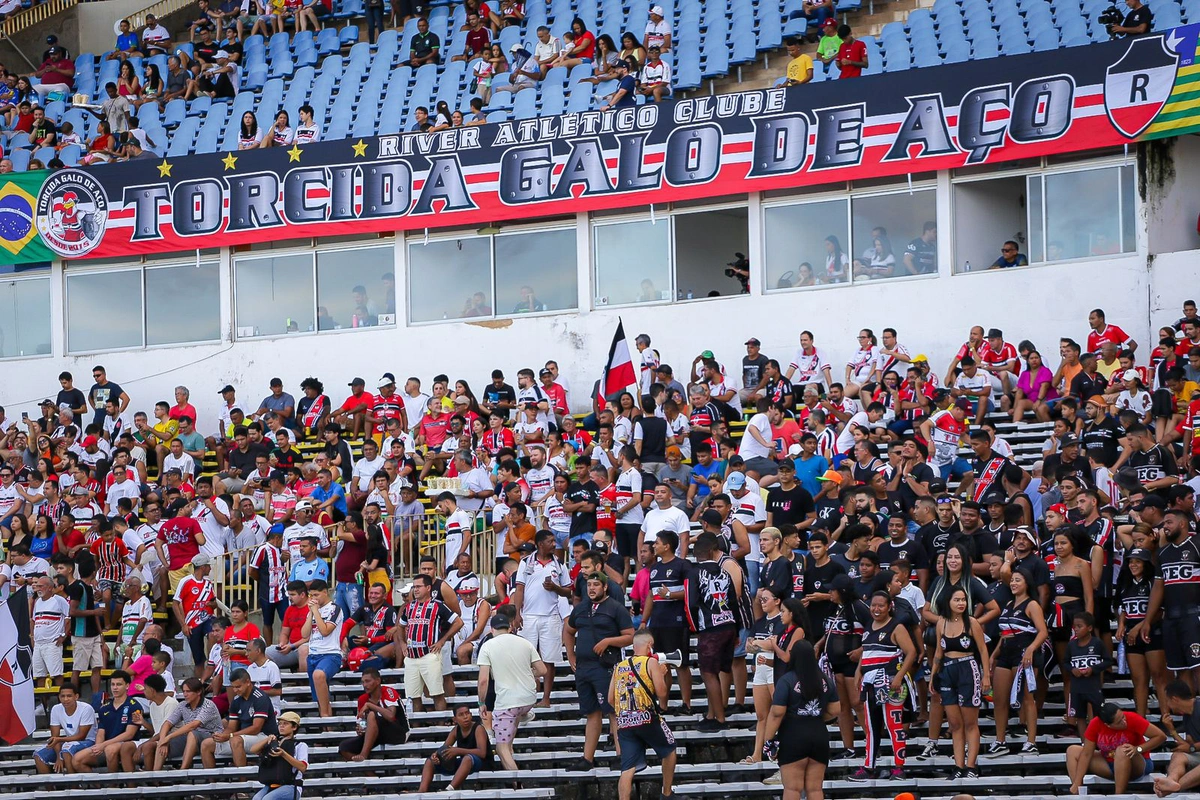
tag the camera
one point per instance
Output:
(739, 269)
(1110, 16)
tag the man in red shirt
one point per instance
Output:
(194, 600)
(352, 414)
(57, 73)
(179, 541)
(554, 393)
(286, 652)
(1102, 332)
(388, 405)
(852, 55)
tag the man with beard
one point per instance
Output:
(1176, 592)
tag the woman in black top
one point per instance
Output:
(758, 650)
(803, 700)
(961, 676)
(795, 625)
(840, 645)
(465, 751)
(1018, 661)
(1072, 586)
(1146, 659)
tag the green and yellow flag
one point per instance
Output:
(19, 239)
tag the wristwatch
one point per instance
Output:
(1140, 750)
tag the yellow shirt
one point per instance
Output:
(798, 69)
(1184, 396)
(166, 430)
(1107, 370)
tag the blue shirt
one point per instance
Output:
(630, 97)
(126, 41)
(320, 495)
(309, 571)
(113, 720)
(277, 404)
(807, 472)
(701, 474)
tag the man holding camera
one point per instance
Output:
(1137, 22)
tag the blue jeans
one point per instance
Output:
(329, 663)
(821, 14)
(278, 793)
(349, 598)
(752, 572)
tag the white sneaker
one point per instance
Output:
(928, 752)
(776, 779)
(528, 716)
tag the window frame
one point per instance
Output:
(40, 275)
(849, 195)
(312, 253)
(420, 240)
(139, 266)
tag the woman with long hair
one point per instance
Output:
(804, 700)
(1035, 389)
(152, 87)
(463, 389)
(862, 364)
(1147, 660)
(103, 148)
(19, 532)
(836, 261)
(884, 676)
(41, 543)
(128, 84)
(583, 49)
(961, 676)
(842, 639)
(632, 48)
(956, 574)
(767, 627)
(881, 261)
(606, 61)
(795, 625)
(1018, 663)
(1073, 592)
(280, 134)
(249, 136)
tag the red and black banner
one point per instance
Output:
(918, 120)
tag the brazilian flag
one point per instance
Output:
(19, 237)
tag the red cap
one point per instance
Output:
(90, 441)
(1059, 508)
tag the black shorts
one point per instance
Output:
(668, 639)
(842, 666)
(636, 741)
(629, 539)
(272, 610)
(1141, 648)
(1012, 651)
(803, 738)
(714, 649)
(960, 683)
(1181, 639)
(1082, 703)
(1062, 631)
(591, 683)
(388, 734)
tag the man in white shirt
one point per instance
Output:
(663, 516)
(459, 526)
(546, 49)
(147, 535)
(529, 392)
(155, 38)
(213, 515)
(303, 528)
(264, 673)
(758, 449)
(514, 666)
(658, 31)
(50, 614)
(542, 581)
(122, 486)
(655, 81)
(363, 475)
(540, 476)
(862, 421)
(475, 481)
(177, 459)
(975, 385)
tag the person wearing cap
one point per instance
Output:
(594, 635)
(476, 614)
(279, 402)
(1101, 435)
(155, 38)
(193, 602)
(512, 664)
(1128, 393)
(282, 759)
(829, 43)
(57, 73)
(658, 30)
(754, 373)
(352, 414)
(946, 430)
(388, 404)
(625, 95)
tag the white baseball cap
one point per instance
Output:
(1130, 375)
(657, 11)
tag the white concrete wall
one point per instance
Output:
(96, 21)
(932, 315)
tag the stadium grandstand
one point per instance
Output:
(599, 398)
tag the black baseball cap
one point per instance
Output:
(227, 388)
(1141, 554)
(357, 382)
(1151, 501)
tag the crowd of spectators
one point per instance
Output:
(818, 575)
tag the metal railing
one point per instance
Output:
(416, 537)
(33, 15)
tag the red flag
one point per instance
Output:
(16, 674)
(619, 373)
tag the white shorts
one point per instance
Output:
(249, 740)
(764, 674)
(544, 633)
(47, 660)
(423, 676)
(447, 663)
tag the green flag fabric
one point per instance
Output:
(18, 207)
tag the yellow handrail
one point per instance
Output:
(34, 15)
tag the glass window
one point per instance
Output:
(536, 272)
(633, 262)
(450, 279)
(354, 287)
(1128, 225)
(986, 215)
(183, 304)
(798, 242)
(24, 318)
(32, 266)
(274, 295)
(894, 225)
(1083, 214)
(1037, 242)
(705, 245)
(104, 310)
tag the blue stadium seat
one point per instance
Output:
(957, 52)
(1046, 40)
(327, 41)
(199, 106)
(181, 139)
(1077, 41)
(1166, 15)
(174, 113)
(70, 154)
(1014, 46)
(19, 159)
(348, 35)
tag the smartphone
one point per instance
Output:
(25, 416)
